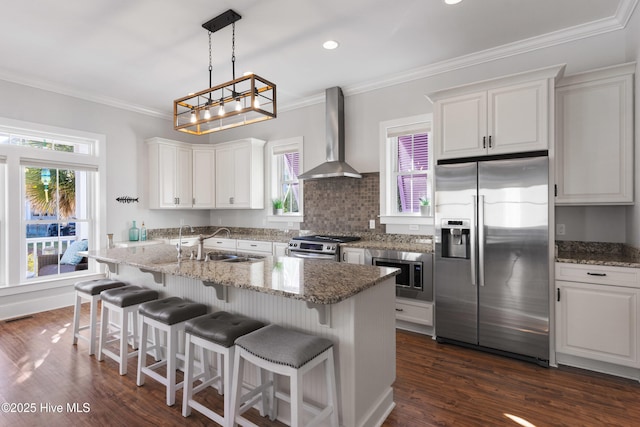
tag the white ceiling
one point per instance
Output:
(143, 54)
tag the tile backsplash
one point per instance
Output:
(342, 204)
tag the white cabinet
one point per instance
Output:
(204, 178)
(594, 137)
(352, 255)
(280, 249)
(170, 174)
(258, 247)
(220, 244)
(239, 174)
(499, 116)
(414, 311)
(596, 319)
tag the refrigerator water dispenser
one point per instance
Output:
(455, 238)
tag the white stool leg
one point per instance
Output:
(225, 377)
(172, 348)
(296, 399)
(332, 393)
(104, 324)
(76, 318)
(124, 341)
(236, 386)
(187, 391)
(93, 320)
(142, 352)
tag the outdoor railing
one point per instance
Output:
(45, 246)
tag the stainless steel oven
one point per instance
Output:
(415, 280)
(318, 247)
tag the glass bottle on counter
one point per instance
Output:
(143, 232)
(134, 233)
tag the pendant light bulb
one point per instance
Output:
(238, 104)
(207, 113)
(221, 111)
(194, 116)
(256, 101)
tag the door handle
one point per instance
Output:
(481, 239)
(473, 240)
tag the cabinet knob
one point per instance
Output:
(231, 200)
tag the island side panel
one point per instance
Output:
(365, 370)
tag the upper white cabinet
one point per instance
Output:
(499, 116)
(204, 177)
(594, 137)
(239, 174)
(170, 174)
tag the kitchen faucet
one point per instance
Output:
(202, 238)
(179, 244)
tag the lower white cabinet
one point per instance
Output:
(414, 311)
(596, 319)
(258, 247)
(220, 243)
(352, 255)
(280, 249)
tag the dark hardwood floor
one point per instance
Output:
(436, 385)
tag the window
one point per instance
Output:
(405, 170)
(285, 164)
(51, 184)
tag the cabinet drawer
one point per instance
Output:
(214, 242)
(415, 312)
(254, 246)
(603, 275)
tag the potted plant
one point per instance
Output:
(425, 207)
(278, 206)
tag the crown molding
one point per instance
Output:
(614, 23)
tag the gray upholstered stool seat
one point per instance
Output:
(289, 353)
(283, 346)
(221, 327)
(172, 310)
(168, 315)
(94, 287)
(128, 295)
(90, 290)
(215, 333)
(125, 301)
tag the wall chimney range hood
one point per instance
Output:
(335, 166)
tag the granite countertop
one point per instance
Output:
(425, 246)
(598, 253)
(608, 259)
(320, 282)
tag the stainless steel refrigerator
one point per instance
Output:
(492, 255)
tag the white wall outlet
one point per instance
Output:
(560, 229)
(414, 227)
(181, 221)
(372, 223)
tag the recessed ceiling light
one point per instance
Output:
(330, 44)
(452, 1)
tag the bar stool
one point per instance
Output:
(169, 315)
(216, 333)
(292, 354)
(124, 301)
(90, 290)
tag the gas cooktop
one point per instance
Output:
(331, 239)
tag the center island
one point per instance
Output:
(352, 305)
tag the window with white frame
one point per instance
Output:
(285, 161)
(50, 182)
(406, 168)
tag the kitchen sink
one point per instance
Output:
(216, 256)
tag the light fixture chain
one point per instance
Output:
(233, 50)
(210, 66)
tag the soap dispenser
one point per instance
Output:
(134, 233)
(143, 233)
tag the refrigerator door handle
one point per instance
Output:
(473, 241)
(481, 241)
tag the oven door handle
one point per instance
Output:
(296, 254)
